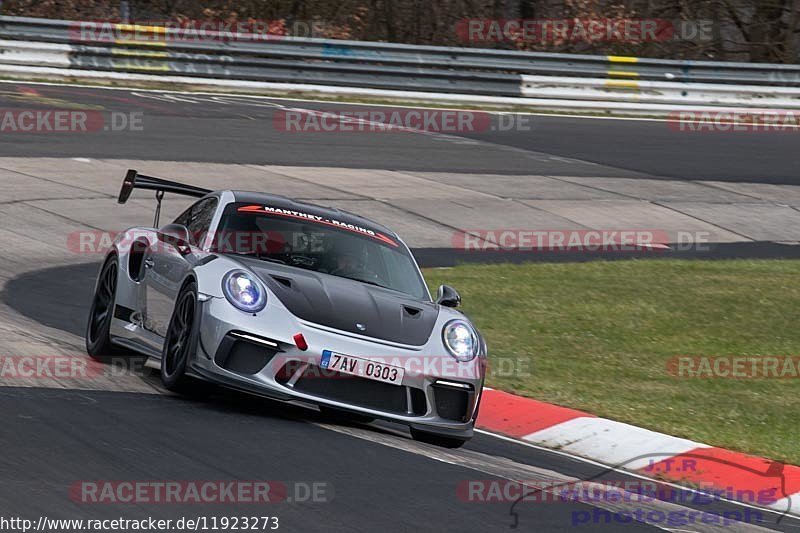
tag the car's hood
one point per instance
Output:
(345, 304)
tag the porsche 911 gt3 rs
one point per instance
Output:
(292, 301)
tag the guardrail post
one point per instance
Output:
(124, 11)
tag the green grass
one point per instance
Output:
(597, 337)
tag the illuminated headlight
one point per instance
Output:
(461, 340)
(244, 292)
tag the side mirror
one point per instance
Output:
(176, 235)
(447, 296)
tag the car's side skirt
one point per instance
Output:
(136, 346)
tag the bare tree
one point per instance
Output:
(750, 30)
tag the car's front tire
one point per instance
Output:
(101, 313)
(443, 441)
(181, 342)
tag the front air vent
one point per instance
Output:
(286, 282)
(412, 311)
(245, 354)
(452, 400)
(419, 404)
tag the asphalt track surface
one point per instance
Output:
(241, 130)
(376, 477)
(53, 439)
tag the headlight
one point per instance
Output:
(461, 340)
(244, 292)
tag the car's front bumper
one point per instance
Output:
(257, 354)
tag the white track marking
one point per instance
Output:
(611, 442)
(618, 469)
(535, 477)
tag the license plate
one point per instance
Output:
(363, 368)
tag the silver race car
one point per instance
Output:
(291, 301)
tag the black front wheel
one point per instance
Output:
(98, 328)
(181, 342)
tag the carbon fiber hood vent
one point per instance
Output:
(348, 305)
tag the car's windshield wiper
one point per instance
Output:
(271, 260)
(368, 282)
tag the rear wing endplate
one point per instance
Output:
(134, 180)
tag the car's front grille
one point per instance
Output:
(358, 391)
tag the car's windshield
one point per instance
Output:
(313, 242)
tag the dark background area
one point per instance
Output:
(740, 30)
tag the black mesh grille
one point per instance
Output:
(357, 391)
(242, 356)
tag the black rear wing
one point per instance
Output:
(134, 180)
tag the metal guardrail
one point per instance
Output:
(86, 46)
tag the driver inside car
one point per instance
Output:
(346, 265)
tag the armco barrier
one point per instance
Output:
(43, 47)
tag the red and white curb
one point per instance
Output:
(737, 476)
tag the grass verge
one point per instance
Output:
(598, 337)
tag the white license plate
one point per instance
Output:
(363, 368)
